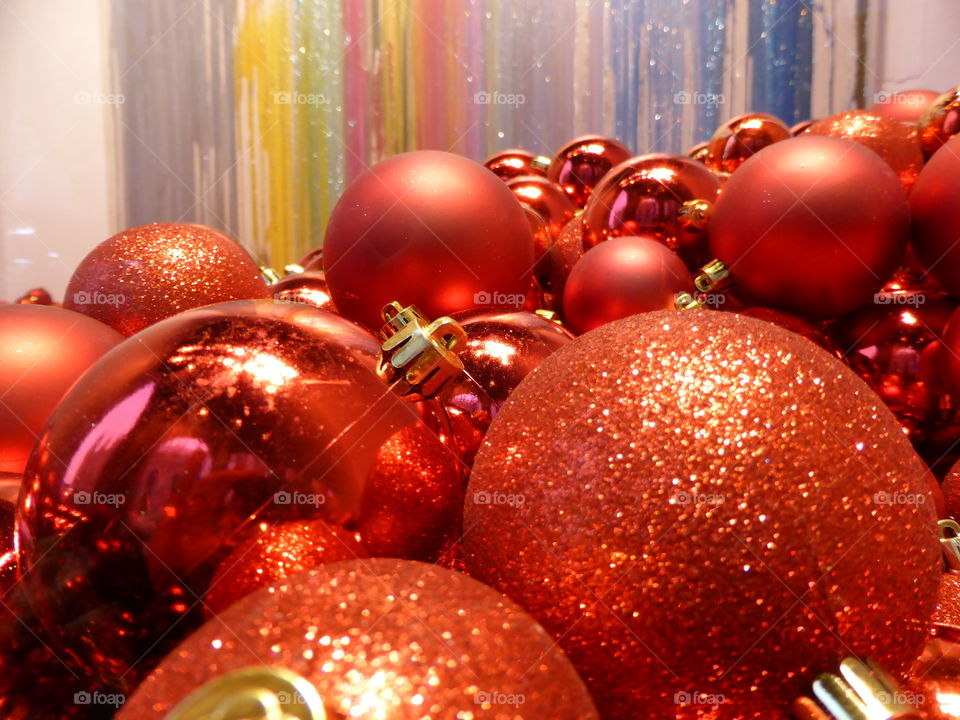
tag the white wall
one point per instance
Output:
(920, 45)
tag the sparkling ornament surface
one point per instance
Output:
(170, 452)
(306, 288)
(907, 106)
(580, 164)
(794, 324)
(737, 139)
(43, 350)
(382, 639)
(148, 273)
(894, 141)
(508, 164)
(951, 491)
(703, 510)
(940, 121)
(946, 616)
(829, 215)
(564, 254)
(935, 213)
(430, 229)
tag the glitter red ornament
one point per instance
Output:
(580, 164)
(508, 164)
(564, 254)
(737, 139)
(940, 121)
(659, 520)
(812, 225)
(935, 212)
(906, 106)
(380, 638)
(430, 229)
(148, 273)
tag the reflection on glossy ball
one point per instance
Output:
(580, 164)
(739, 138)
(553, 209)
(307, 288)
(508, 164)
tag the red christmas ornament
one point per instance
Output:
(739, 138)
(36, 296)
(934, 680)
(148, 273)
(947, 358)
(508, 164)
(935, 211)
(699, 152)
(168, 453)
(307, 288)
(940, 121)
(670, 488)
(580, 164)
(951, 491)
(553, 209)
(794, 324)
(907, 106)
(501, 350)
(8, 552)
(565, 253)
(647, 196)
(894, 141)
(813, 225)
(800, 127)
(43, 350)
(379, 639)
(313, 260)
(622, 277)
(430, 229)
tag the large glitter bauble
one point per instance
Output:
(430, 229)
(935, 213)
(645, 196)
(907, 106)
(940, 122)
(812, 225)
(737, 139)
(171, 450)
(894, 141)
(382, 639)
(43, 350)
(580, 164)
(711, 505)
(148, 273)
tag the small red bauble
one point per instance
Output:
(551, 205)
(36, 296)
(940, 121)
(739, 138)
(935, 212)
(812, 225)
(508, 164)
(148, 273)
(430, 229)
(565, 253)
(699, 152)
(580, 164)
(623, 276)
(43, 350)
(307, 288)
(907, 106)
(313, 260)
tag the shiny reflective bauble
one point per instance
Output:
(306, 288)
(800, 127)
(382, 639)
(940, 121)
(551, 204)
(148, 273)
(277, 553)
(620, 277)
(673, 483)
(644, 196)
(894, 141)
(508, 164)
(906, 106)
(171, 451)
(934, 680)
(36, 296)
(8, 553)
(812, 225)
(935, 212)
(430, 229)
(699, 151)
(737, 139)
(580, 164)
(43, 350)
(313, 260)
(501, 350)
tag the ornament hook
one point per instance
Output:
(862, 691)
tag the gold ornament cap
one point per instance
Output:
(713, 276)
(862, 691)
(949, 532)
(694, 215)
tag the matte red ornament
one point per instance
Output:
(170, 451)
(148, 273)
(508, 164)
(580, 164)
(894, 141)
(381, 639)
(552, 207)
(906, 106)
(704, 509)
(935, 212)
(43, 350)
(621, 277)
(645, 196)
(429, 229)
(812, 225)
(307, 288)
(940, 121)
(737, 139)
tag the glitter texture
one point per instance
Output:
(704, 505)
(383, 639)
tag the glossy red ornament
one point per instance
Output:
(659, 519)
(906, 106)
(36, 296)
(737, 139)
(8, 553)
(948, 358)
(508, 164)
(699, 151)
(564, 254)
(382, 639)
(501, 350)
(553, 208)
(644, 196)
(148, 273)
(307, 288)
(169, 452)
(621, 277)
(940, 121)
(580, 164)
(313, 260)
(933, 682)
(430, 229)
(43, 350)
(800, 127)
(812, 225)
(935, 212)
(894, 141)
